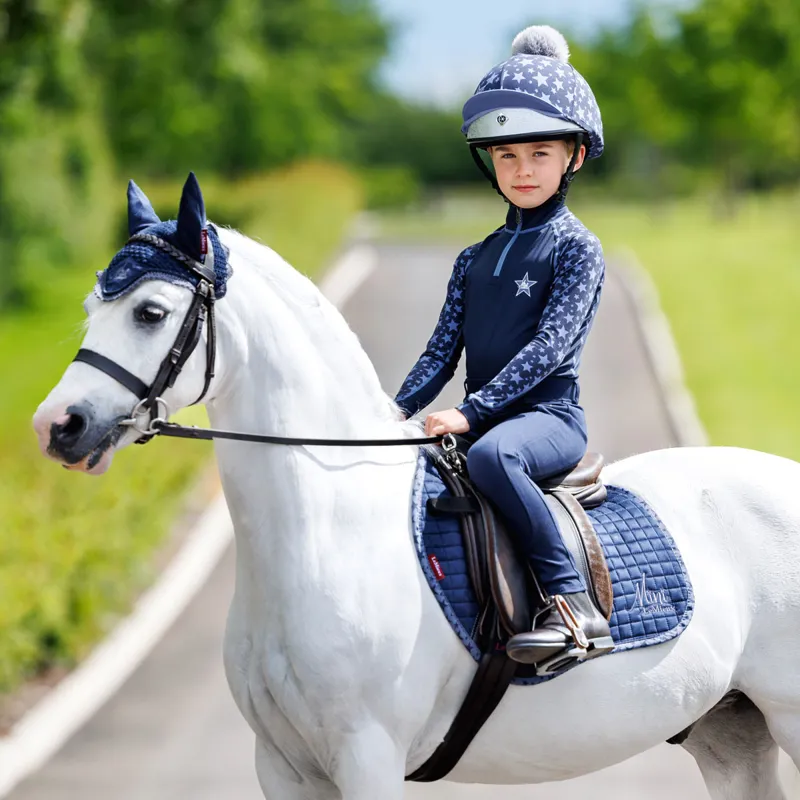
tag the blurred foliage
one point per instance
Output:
(234, 85)
(75, 551)
(707, 95)
(390, 186)
(55, 168)
(89, 89)
(277, 208)
(700, 95)
(427, 140)
(730, 289)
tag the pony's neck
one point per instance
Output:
(292, 365)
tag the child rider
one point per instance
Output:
(521, 303)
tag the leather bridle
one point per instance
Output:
(201, 307)
(150, 397)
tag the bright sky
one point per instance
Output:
(444, 47)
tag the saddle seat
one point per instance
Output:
(582, 481)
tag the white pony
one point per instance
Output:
(337, 653)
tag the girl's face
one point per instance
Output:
(530, 173)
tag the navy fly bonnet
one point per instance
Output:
(190, 235)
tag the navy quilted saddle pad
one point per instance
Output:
(653, 598)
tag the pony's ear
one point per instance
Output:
(140, 210)
(191, 219)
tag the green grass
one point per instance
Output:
(730, 286)
(731, 290)
(75, 550)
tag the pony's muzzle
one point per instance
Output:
(74, 436)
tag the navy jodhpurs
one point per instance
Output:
(505, 461)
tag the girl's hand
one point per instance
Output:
(441, 422)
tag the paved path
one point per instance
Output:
(173, 733)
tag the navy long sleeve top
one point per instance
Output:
(521, 303)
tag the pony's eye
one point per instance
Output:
(150, 314)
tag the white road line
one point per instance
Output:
(355, 266)
(662, 351)
(44, 729)
(48, 725)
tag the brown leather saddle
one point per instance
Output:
(499, 576)
(507, 590)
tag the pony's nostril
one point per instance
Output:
(68, 428)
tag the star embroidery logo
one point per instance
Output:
(524, 286)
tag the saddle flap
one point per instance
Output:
(581, 540)
(508, 577)
(495, 568)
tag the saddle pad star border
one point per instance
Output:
(653, 597)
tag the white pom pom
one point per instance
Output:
(541, 40)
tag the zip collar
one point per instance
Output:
(526, 220)
(521, 220)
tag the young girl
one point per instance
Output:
(521, 303)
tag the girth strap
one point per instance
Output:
(495, 673)
(111, 368)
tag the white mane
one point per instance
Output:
(323, 323)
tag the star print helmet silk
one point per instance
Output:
(535, 94)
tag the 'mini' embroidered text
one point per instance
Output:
(651, 601)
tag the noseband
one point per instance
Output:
(150, 397)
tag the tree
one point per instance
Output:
(54, 169)
(716, 86)
(234, 85)
(428, 141)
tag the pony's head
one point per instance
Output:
(145, 316)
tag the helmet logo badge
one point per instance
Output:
(502, 119)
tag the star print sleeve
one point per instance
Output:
(436, 365)
(565, 323)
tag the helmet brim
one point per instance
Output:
(508, 125)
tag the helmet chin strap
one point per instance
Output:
(566, 180)
(569, 175)
(486, 171)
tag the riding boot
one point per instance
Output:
(571, 630)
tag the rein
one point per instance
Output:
(164, 428)
(201, 307)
